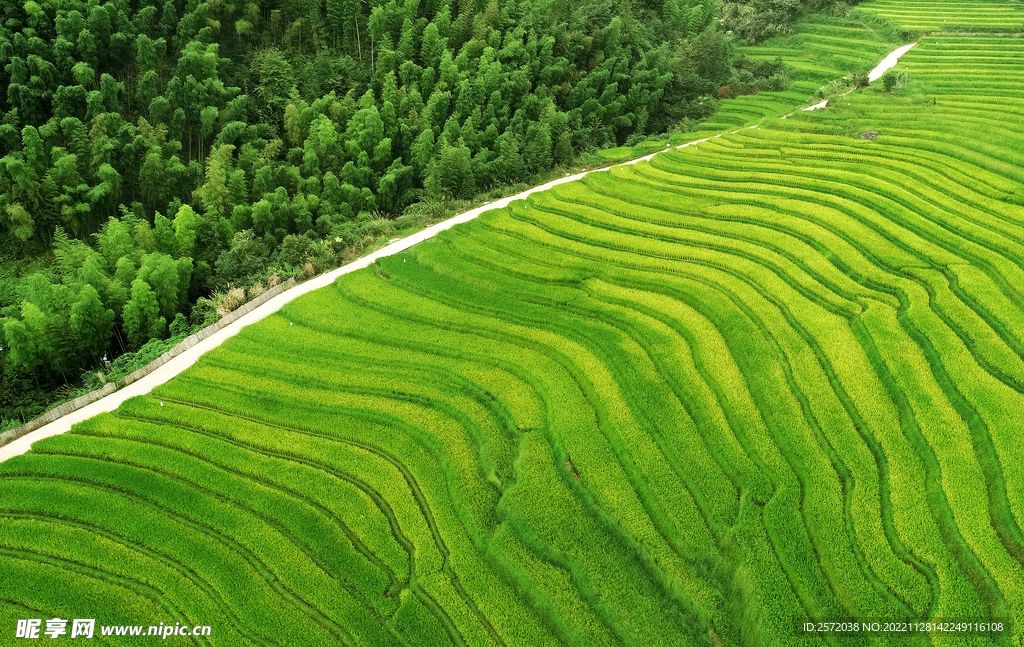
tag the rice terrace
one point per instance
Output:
(764, 389)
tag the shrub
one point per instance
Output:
(246, 257)
(775, 83)
(294, 250)
(702, 107)
(204, 313)
(179, 327)
(889, 80)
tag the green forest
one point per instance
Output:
(156, 154)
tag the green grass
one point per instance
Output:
(770, 378)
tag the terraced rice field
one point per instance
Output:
(773, 378)
(947, 15)
(825, 48)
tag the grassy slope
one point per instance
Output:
(772, 377)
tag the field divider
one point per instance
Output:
(333, 571)
(154, 554)
(637, 411)
(621, 452)
(948, 536)
(346, 477)
(254, 560)
(472, 430)
(424, 376)
(136, 587)
(693, 410)
(1008, 338)
(654, 570)
(509, 572)
(1003, 520)
(401, 467)
(953, 539)
(954, 287)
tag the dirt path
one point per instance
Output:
(190, 356)
(887, 64)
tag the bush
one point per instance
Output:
(92, 380)
(861, 81)
(294, 250)
(204, 313)
(759, 76)
(246, 258)
(889, 80)
(179, 327)
(702, 107)
(131, 362)
(775, 83)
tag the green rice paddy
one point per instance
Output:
(947, 15)
(825, 48)
(770, 379)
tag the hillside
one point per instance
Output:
(768, 379)
(161, 162)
